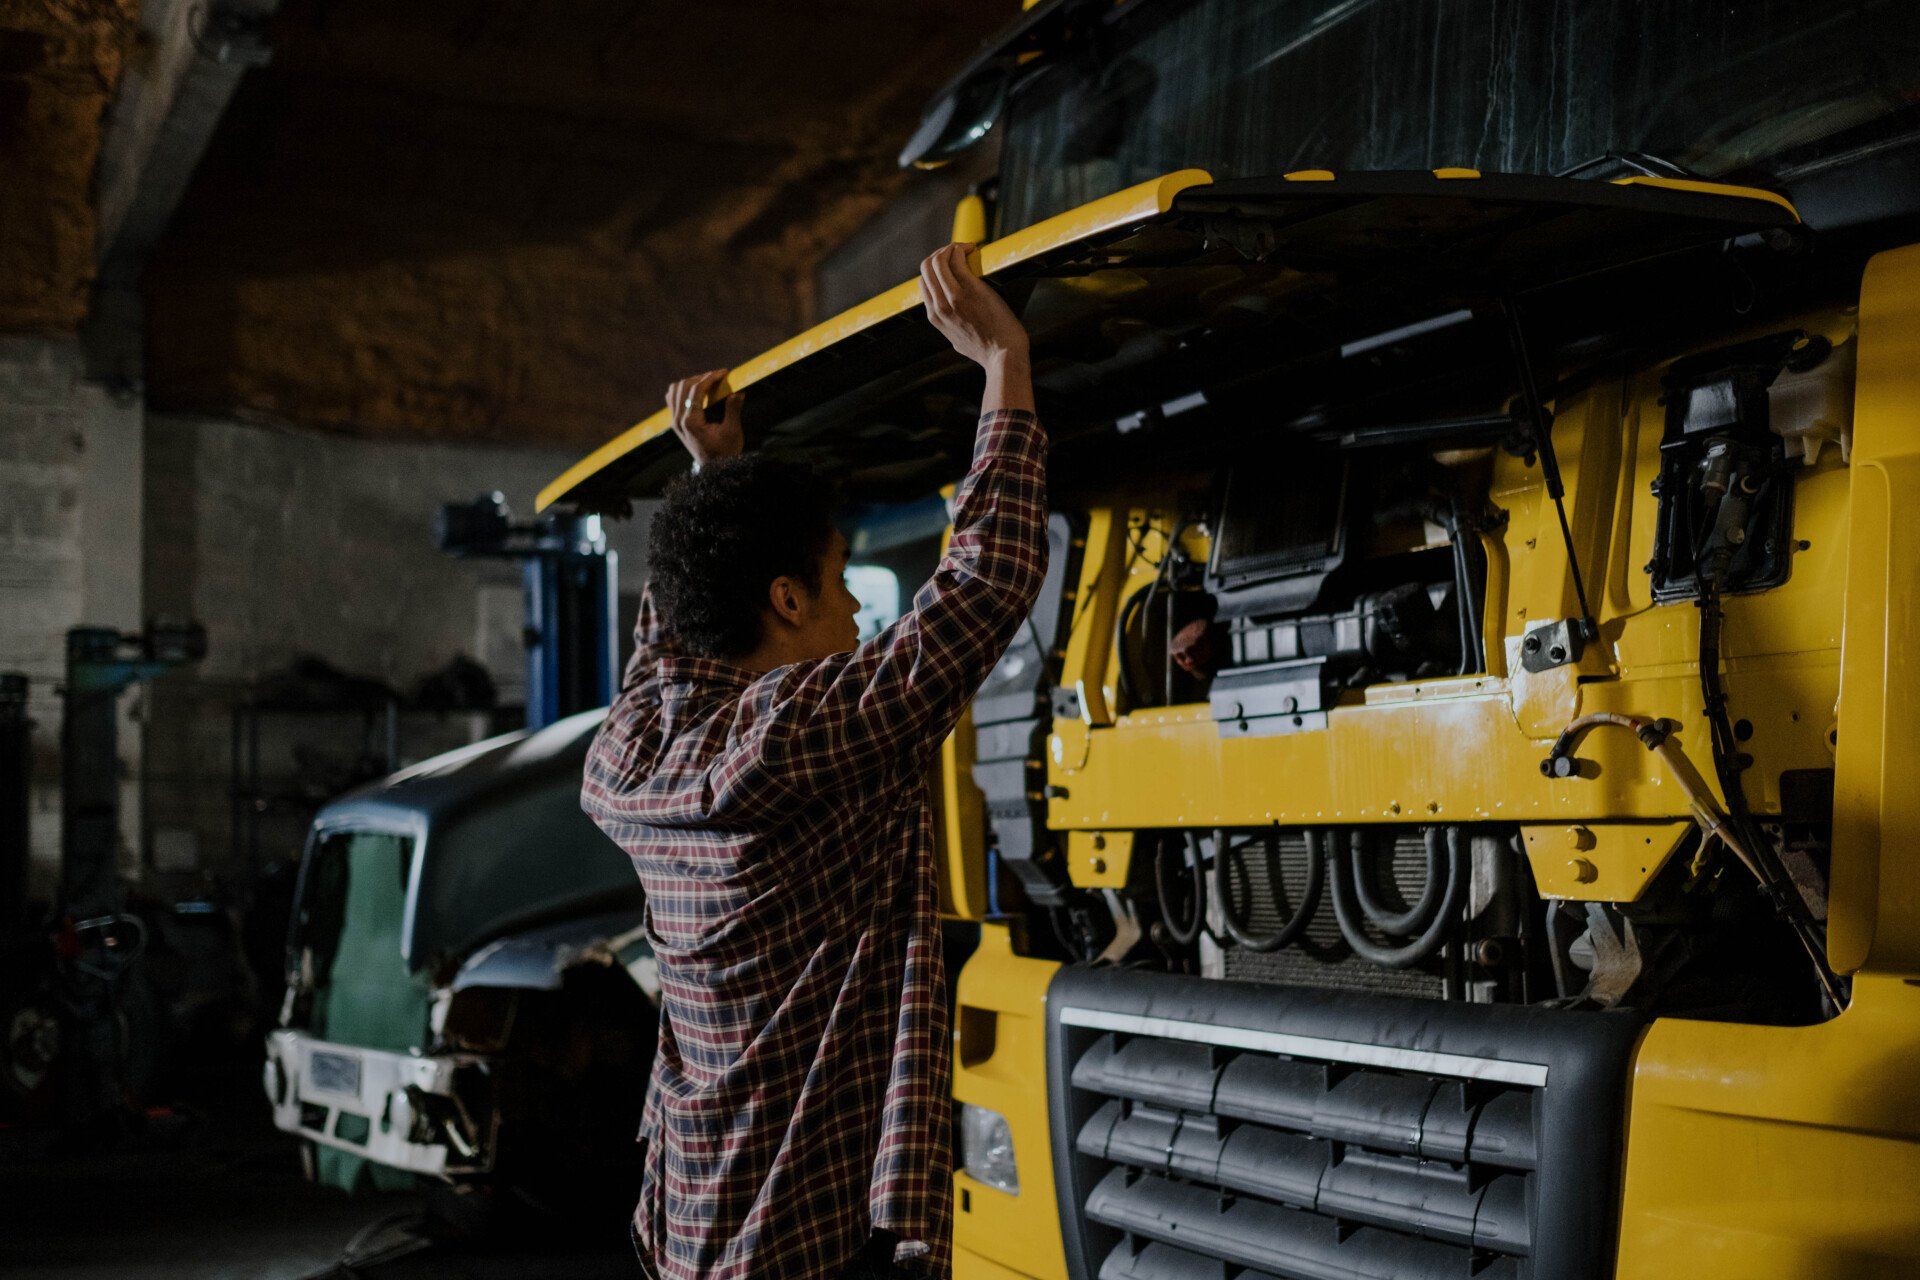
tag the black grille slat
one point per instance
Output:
(1426, 1198)
(1280, 1166)
(1283, 1242)
(1163, 1262)
(1171, 1073)
(1300, 1134)
(1376, 1110)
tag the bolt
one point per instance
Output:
(1557, 653)
(1099, 865)
(1099, 840)
(1579, 839)
(1583, 871)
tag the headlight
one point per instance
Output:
(986, 1148)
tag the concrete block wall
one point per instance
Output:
(282, 542)
(288, 543)
(70, 523)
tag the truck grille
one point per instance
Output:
(1301, 1135)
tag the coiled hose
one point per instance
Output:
(1414, 919)
(1227, 859)
(1183, 932)
(1441, 909)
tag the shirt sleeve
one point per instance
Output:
(651, 642)
(849, 720)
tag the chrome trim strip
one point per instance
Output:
(1530, 1074)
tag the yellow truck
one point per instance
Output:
(1448, 814)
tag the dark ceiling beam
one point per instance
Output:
(158, 128)
(166, 113)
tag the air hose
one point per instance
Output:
(1183, 932)
(1348, 912)
(1228, 857)
(1657, 737)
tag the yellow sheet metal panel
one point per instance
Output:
(1000, 1063)
(968, 1265)
(960, 826)
(1442, 755)
(1087, 661)
(1136, 203)
(1600, 861)
(1778, 1153)
(1875, 920)
(1099, 859)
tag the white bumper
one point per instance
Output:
(395, 1109)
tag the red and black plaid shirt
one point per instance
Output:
(780, 824)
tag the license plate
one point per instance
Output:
(334, 1072)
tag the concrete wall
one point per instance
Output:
(288, 544)
(284, 543)
(70, 517)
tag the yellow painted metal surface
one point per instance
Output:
(1600, 861)
(968, 1265)
(1875, 921)
(1709, 188)
(1134, 204)
(960, 825)
(1000, 1062)
(1778, 1153)
(969, 220)
(1099, 859)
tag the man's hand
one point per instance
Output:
(979, 324)
(706, 441)
(975, 319)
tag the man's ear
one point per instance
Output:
(785, 599)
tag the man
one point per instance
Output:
(768, 778)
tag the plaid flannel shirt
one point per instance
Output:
(781, 826)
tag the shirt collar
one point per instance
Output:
(705, 672)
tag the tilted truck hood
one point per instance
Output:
(1335, 304)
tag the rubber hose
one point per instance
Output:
(1346, 909)
(1225, 858)
(1182, 933)
(1415, 918)
(1129, 688)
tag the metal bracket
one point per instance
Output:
(1552, 644)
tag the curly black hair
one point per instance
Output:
(726, 532)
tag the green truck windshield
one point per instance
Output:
(1736, 90)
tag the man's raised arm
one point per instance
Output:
(851, 719)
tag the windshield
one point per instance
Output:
(1754, 90)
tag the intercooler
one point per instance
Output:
(1203, 1128)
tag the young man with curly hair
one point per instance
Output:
(768, 776)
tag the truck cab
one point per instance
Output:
(1444, 816)
(471, 999)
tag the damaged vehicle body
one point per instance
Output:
(471, 998)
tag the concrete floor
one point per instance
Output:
(218, 1195)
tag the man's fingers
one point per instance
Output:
(933, 289)
(677, 405)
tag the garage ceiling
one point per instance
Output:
(503, 220)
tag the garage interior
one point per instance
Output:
(1442, 810)
(277, 282)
